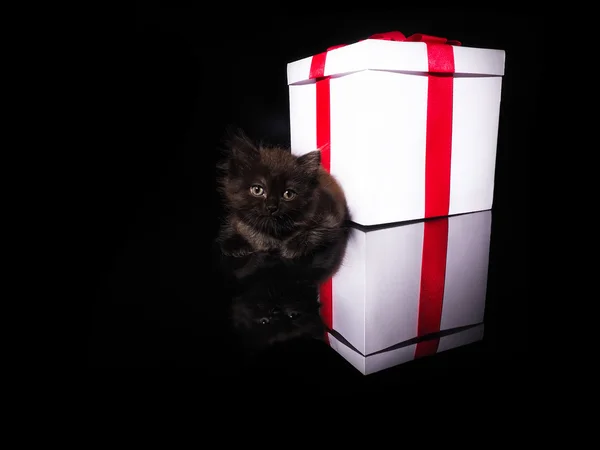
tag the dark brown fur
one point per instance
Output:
(312, 222)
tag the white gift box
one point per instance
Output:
(404, 352)
(408, 128)
(408, 281)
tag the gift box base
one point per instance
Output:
(409, 280)
(405, 351)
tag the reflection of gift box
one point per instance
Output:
(408, 128)
(405, 351)
(402, 282)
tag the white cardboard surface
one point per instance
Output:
(374, 363)
(376, 291)
(378, 98)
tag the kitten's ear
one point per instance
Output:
(242, 150)
(310, 161)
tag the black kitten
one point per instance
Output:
(282, 205)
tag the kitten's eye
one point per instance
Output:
(289, 194)
(293, 314)
(257, 190)
(264, 321)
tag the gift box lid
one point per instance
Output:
(395, 56)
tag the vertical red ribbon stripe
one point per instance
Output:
(437, 193)
(438, 149)
(323, 127)
(323, 122)
(323, 112)
(433, 280)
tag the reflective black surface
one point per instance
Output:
(156, 300)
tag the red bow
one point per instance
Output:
(399, 37)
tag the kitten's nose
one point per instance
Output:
(272, 209)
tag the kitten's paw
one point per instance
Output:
(235, 246)
(295, 247)
(241, 252)
(290, 254)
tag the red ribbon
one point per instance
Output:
(433, 280)
(440, 56)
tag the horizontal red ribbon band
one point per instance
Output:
(440, 56)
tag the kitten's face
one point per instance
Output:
(264, 320)
(269, 187)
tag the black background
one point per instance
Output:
(186, 75)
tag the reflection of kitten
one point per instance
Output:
(283, 205)
(271, 313)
